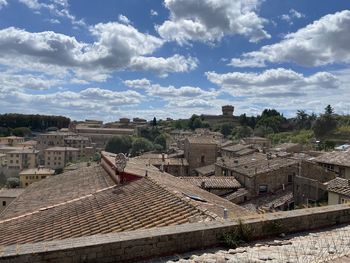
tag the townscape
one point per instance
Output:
(67, 183)
(177, 131)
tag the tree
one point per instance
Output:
(22, 131)
(34, 122)
(178, 125)
(243, 132)
(158, 148)
(324, 125)
(12, 182)
(197, 123)
(141, 145)
(271, 119)
(194, 122)
(328, 110)
(149, 133)
(226, 129)
(2, 179)
(161, 140)
(154, 122)
(119, 144)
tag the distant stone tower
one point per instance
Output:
(227, 110)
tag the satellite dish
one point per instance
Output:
(120, 162)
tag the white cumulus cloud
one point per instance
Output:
(273, 82)
(325, 41)
(210, 20)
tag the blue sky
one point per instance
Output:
(173, 58)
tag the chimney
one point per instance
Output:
(202, 184)
(225, 213)
(163, 157)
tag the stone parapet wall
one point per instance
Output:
(150, 243)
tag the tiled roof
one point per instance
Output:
(201, 140)
(264, 166)
(206, 170)
(32, 171)
(137, 205)
(254, 164)
(339, 186)
(240, 192)
(14, 192)
(76, 138)
(285, 146)
(227, 143)
(210, 202)
(238, 161)
(337, 158)
(236, 147)
(24, 151)
(86, 201)
(213, 182)
(157, 160)
(61, 149)
(57, 189)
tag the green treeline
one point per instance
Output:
(12, 122)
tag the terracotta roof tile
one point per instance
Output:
(339, 185)
(57, 189)
(213, 182)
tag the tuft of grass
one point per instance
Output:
(241, 235)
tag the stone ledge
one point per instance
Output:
(148, 243)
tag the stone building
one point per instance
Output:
(257, 141)
(337, 161)
(11, 140)
(200, 151)
(338, 191)
(226, 117)
(258, 173)
(237, 150)
(310, 183)
(22, 159)
(79, 142)
(173, 166)
(29, 176)
(52, 139)
(3, 160)
(288, 147)
(100, 136)
(59, 157)
(7, 196)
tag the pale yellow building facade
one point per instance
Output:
(29, 176)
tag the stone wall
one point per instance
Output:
(306, 190)
(150, 243)
(199, 155)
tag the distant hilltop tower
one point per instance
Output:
(227, 110)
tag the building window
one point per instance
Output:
(202, 159)
(290, 178)
(344, 201)
(262, 189)
(3, 203)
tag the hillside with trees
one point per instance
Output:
(23, 124)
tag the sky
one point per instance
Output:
(109, 59)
